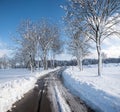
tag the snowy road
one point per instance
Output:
(62, 100)
(50, 95)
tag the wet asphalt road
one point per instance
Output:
(35, 100)
(40, 99)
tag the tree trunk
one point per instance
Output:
(45, 64)
(38, 64)
(81, 66)
(98, 46)
(31, 64)
(99, 60)
(53, 61)
(79, 63)
(31, 67)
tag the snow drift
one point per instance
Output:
(101, 93)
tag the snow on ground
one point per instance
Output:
(14, 83)
(102, 93)
(63, 105)
(12, 74)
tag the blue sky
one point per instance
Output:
(12, 12)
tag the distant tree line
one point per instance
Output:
(6, 62)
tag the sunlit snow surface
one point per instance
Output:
(14, 83)
(11, 74)
(102, 93)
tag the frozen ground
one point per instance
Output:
(14, 83)
(102, 93)
(11, 74)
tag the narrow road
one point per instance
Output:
(62, 99)
(50, 95)
(35, 100)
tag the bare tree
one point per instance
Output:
(27, 43)
(36, 40)
(79, 47)
(49, 40)
(56, 46)
(78, 43)
(45, 41)
(99, 17)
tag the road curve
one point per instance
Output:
(50, 95)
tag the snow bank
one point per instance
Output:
(14, 89)
(102, 93)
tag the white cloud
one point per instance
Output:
(113, 51)
(111, 41)
(64, 56)
(4, 52)
(3, 49)
(107, 42)
(110, 46)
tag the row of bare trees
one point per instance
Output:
(94, 20)
(36, 41)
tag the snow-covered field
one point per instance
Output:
(102, 93)
(14, 83)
